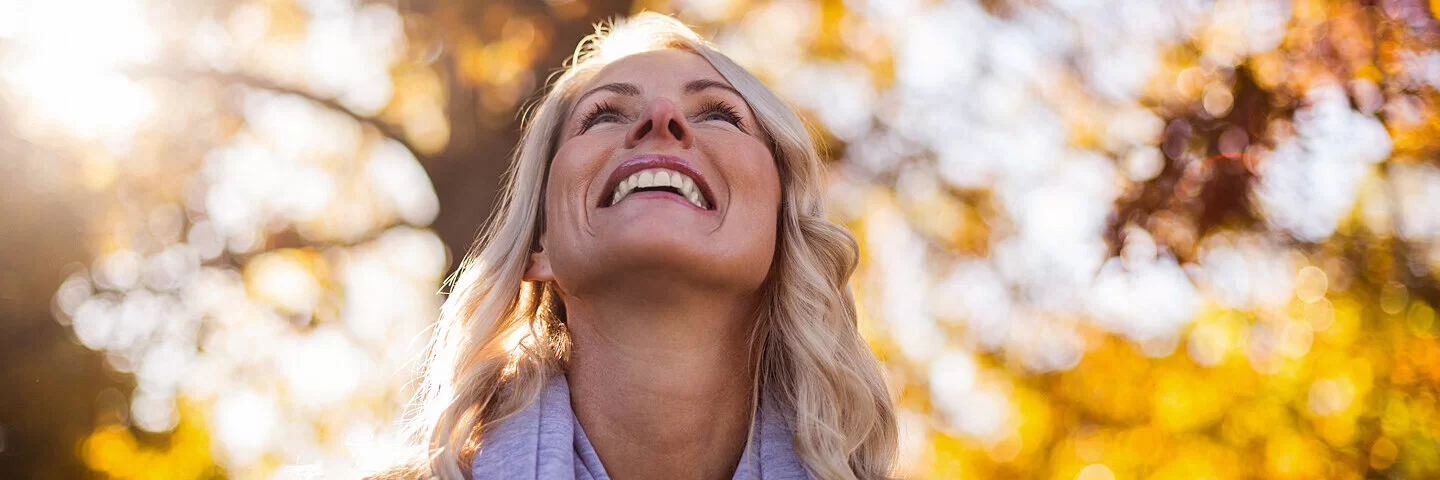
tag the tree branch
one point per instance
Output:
(390, 130)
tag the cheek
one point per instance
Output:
(762, 183)
(575, 165)
(575, 162)
(565, 233)
(758, 180)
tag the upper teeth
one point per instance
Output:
(659, 177)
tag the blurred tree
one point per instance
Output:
(450, 97)
(1132, 239)
(1100, 239)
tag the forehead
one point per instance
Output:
(658, 69)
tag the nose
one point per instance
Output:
(662, 122)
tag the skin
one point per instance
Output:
(661, 296)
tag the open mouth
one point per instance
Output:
(654, 173)
(659, 180)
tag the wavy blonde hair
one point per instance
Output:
(500, 338)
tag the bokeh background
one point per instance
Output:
(1168, 239)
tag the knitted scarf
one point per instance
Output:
(545, 441)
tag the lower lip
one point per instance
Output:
(660, 195)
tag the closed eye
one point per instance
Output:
(719, 110)
(602, 113)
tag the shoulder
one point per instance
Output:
(517, 445)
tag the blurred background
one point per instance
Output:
(1102, 239)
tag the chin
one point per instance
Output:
(657, 262)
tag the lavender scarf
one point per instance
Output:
(545, 441)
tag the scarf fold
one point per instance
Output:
(545, 441)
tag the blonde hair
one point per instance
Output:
(500, 338)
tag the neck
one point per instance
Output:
(663, 388)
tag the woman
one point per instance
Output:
(659, 294)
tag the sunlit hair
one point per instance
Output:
(500, 338)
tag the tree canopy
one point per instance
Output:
(1100, 239)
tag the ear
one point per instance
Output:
(538, 268)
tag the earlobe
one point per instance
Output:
(538, 268)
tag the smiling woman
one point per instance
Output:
(660, 294)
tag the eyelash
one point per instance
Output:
(597, 113)
(712, 109)
(721, 110)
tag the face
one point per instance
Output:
(662, 180)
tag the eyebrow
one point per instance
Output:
(630, 90)
(627, 89)
(697, 86)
